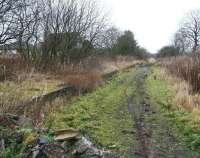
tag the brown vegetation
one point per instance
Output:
(22, 81)
(183, 74)
(187, 68)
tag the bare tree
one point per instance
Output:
(62, 28)
(181, 42)
(28, 22)
(71, 27)
(110, 38)
(8, 30)
(190, 29)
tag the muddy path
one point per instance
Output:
(155, 139)
(121, 117)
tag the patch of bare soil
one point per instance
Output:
(153, 132)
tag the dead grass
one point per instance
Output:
(23, 81)
(184, 76)
(13, 93)
(183, 96)
(117, 63)
(39, 112)
(187, 68)
(87, 81)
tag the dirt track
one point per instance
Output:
(153, 132)
(147, 134)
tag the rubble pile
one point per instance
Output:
(64, 143)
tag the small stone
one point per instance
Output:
(66, 134)
(42, 141)
(85, 149)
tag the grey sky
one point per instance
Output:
(152, 21)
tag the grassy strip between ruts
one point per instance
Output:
(162, 95)
(102, 115)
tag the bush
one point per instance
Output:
(168, 51)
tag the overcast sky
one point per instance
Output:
(152, 21)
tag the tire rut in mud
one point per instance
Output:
(155, 140)
(137, 110)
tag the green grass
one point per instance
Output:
(162, 95)
(17, 142)
(102, 115)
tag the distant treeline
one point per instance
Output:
(61, 30)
